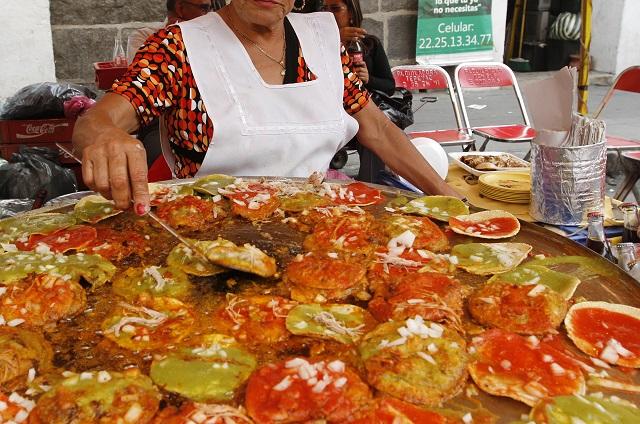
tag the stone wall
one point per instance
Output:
(394, 22)
(84, 30)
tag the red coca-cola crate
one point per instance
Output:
(30, 131)
(107, 73)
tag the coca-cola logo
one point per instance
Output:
(32, 131)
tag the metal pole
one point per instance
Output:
(585, 58)
(512, 35)
(522, 25)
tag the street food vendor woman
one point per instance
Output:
(249, 90)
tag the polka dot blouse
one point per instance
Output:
(160, 80)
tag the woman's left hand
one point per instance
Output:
(362, 71)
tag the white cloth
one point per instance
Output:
(263, 129)
(137, 38)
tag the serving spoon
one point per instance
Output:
(168, 228)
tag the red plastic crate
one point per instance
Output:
(107, 73)
(31, 131)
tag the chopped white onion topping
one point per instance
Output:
(427, 357)
(134, 413)
(538, 289)
(103, 377)
(336, 366)
(283, 385)
(557, 370)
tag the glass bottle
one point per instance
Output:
(627, 259)
(119, 58)
(596, 239)
(631, 219)
(355, 49)
(626, 253)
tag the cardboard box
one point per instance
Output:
(36, 131)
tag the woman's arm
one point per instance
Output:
(394, 148)
(113, 162)
(380, 76)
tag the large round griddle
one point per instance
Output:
(609, 284)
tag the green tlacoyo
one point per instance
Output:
(437, 207)
(153, 280)
(95, 208)
(15, 266)
(182, 258)
(211, 372)
(341, 322)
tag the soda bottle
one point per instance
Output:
(596, 239)
(355, 49)
(627, 259)
(119, 58)
(626, 253)
(631, 219)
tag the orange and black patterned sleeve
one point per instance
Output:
(355, 96)
(152, 82)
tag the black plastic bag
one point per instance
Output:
(43, 100)
(32, 170)
(397, 107)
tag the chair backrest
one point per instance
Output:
(486, 75)
(628, 80)
(428, 77)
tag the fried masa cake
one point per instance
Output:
(525, 369)
(529, 309)
(318, 277)
(415, 360)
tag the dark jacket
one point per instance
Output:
(380, 77)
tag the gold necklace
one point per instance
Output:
(263, 51)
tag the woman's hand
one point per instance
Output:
(362, 71)
(348, 34)
(116, 167)
(113, 162)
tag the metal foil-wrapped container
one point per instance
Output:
(567, 182)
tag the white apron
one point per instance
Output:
(263, 129)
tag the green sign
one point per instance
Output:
(453, 26)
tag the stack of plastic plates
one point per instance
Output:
(510, 187)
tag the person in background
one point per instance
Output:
(177, 11)
(374, 71)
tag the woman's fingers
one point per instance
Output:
(117, 169)
(101, 182)
(119, 180)
(352, 33)
(137, 168)
(87, 173)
